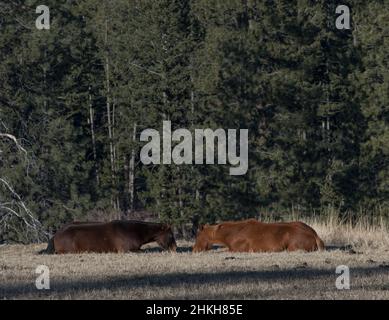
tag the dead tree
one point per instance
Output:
(13, 207)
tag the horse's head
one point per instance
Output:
(166, 238)
(203, 238)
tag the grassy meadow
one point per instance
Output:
(217, 274)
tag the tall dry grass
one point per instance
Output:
(360, 234)
(361, 230)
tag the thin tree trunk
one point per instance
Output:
(115, 168)
(45, 83)
(131, 173)
(109, 120)
(196, 191)
(92, 127)
(111, 151)
(113, 134)
(181, 209)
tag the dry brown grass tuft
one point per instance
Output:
(360, 235)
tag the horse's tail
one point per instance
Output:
(50, 247)
(320, 244)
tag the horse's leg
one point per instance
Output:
(240, 246)
(134, 247)
(302, 244)
(292, 247)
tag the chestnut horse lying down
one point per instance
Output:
(254, 236)
(114, 236)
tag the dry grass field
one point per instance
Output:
(211, 275)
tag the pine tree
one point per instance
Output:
(371, 83)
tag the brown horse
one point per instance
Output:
(114, 236)
(254, 236)
(50, 244)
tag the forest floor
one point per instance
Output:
(185, 275)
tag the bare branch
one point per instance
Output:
(13, 138)
(27, 217)
(145, 69)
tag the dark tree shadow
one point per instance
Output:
(178, 279)
(347, 248)
(187, 249)
(180, 249)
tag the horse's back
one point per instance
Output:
(252, 235)
(84, 237)
(113, 236)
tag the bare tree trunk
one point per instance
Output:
(195, 218)
(131, 172)
(115, 168)
(113, 134)
(109, 119)
(181, 206)
(111, 153)
(92, 127)
(45, 83)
